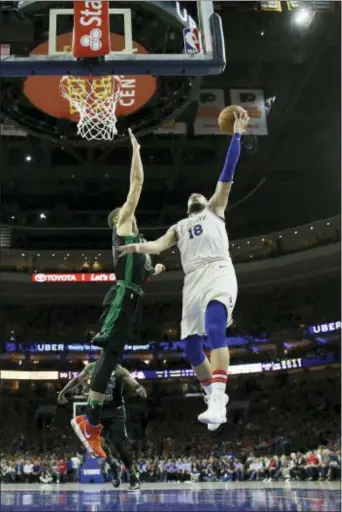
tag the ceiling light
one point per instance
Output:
(302, 16)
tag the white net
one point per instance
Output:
(95, 99)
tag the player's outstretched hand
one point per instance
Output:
(158, 269)
(62, 399)
(141, 391)
(241, 122)
(129, 248)
(134, 142)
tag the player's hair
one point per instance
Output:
(113, 217)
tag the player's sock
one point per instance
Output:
(219, 381)
(207, 386)
(93, 412)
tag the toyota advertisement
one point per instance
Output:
(96, 277)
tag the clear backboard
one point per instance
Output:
(203, 50)
(93, 69)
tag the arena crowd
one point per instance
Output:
(292, 432)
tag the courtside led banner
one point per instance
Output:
(235, 369)
(95, 277)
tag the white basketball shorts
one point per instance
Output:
(215, 281)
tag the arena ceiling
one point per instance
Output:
(289, 177)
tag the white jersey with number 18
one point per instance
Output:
(202, 239)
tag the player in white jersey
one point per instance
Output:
(210, 286)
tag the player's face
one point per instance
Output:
(196, 203)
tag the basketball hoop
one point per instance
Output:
(95, 99)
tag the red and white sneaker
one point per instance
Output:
(89, 435)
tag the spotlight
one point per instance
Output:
(302, 16)
(28, 158)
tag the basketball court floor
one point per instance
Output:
(244, 497)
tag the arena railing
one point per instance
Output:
(45, 248)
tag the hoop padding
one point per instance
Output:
(95, 99)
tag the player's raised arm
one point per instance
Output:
(161, 244)
(74, 383)
(218, 202)
(130, 382)
(127, 212)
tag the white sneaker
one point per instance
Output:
(211, 426)
(216, 412)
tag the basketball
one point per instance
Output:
(226, 118)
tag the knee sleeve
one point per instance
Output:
(103, 370)
(215, 324)
(194, 350)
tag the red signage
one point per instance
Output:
(98, 277)
(91, 29)
(43, 91)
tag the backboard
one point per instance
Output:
(157, 51)
(210, 59)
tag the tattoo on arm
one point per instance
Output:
(126, 378)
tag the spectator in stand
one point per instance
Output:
(7, 471)
(334, 463)
(312, 465)
(275, 468)
(229, 470)
(19, 469)
(256, 470)
(74, 469)
(28, 468)
(36, 471)
(239, 470)
(195, 472)
(61, 471)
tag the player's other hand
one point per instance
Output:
(134, 142)
(62, 399)
(241, 122)
(129, 248)
(158, 269)
(141, 392)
